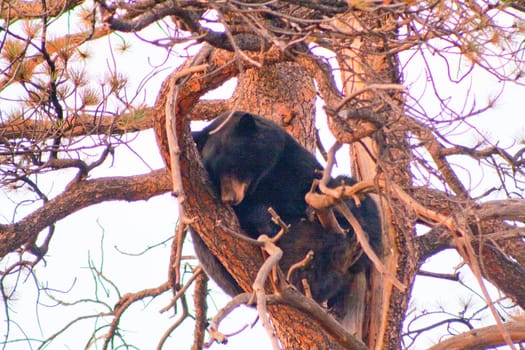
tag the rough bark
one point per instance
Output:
(366, 62)
(284, 93)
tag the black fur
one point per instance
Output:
(255, 164)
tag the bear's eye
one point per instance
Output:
(237, 169)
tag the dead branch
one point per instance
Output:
(307, 289)
(278, 221)
(176, 256)
(323, 208)
(238, 300)
(271, 263)
(293, 298)
(201, 307)
(171, 132)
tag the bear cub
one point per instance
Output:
(255, 164)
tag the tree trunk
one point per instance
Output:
(366, 61)
(295, 329)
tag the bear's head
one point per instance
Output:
(238, 150)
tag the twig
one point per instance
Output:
(300, 265)
(198, 270)
(307, 289)
(278, 221)
(367, 88)
(446, 276)
(174, 149)
(330, 161)
(182, 317)
(123, 304)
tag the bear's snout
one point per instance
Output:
(232, 190)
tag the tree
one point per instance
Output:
(402, 137)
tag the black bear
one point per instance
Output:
(255, 164)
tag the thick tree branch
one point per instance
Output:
(327, 7)
(147, 16)
(485, 218)
(432, 242)
(81, 195)
(84, 125)
(483, 338)
(501, 270)
(507, 209)
(76, 126)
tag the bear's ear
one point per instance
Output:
(247, 124)
(200, 138)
